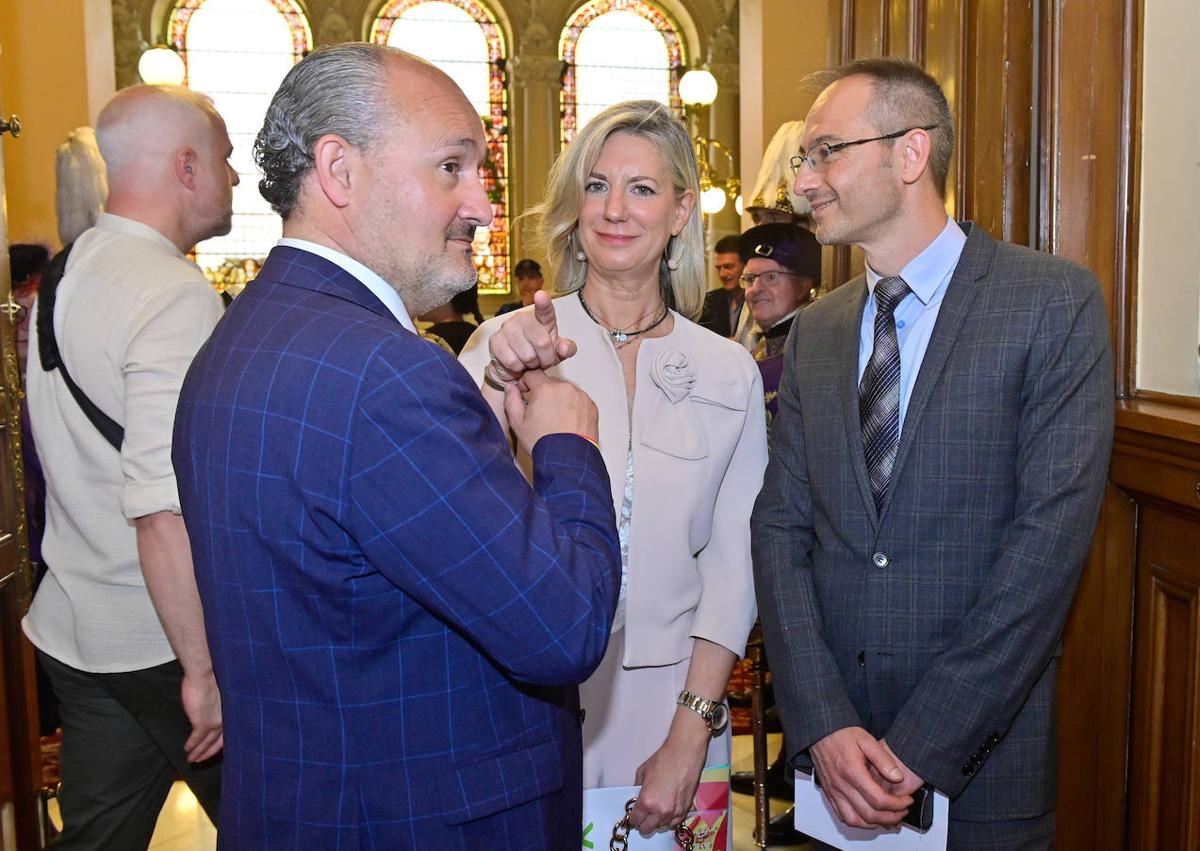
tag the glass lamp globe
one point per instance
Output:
(698, 88)
(161, 66)
(712, 200)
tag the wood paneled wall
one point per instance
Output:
(985, 57)
(1046, 99)
(1152, 563)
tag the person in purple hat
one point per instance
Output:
(781, 278)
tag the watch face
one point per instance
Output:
(719, 718)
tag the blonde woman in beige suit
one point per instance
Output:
(682, 434)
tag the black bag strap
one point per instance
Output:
(51, 359)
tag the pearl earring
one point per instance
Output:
(580, 256)
(672, 262)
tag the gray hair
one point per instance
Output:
(81, 184)
(559, 214)
(903, 94)
(341, 89)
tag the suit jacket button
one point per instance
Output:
(880, 560)
(862, 659)
(967, 769)
(976, 760)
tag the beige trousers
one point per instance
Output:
(628, 712)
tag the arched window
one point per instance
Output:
(237, 52)
(462, 38)
(615, 50)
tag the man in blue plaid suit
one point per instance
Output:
(936, 470)
(397, 620)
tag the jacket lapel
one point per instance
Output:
(293, 267)
(846, 343)
(973, 264)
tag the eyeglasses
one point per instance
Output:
(769, 278)
(818, 158)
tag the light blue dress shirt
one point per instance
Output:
(928, 276)
(381, 288)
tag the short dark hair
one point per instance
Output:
(905, 95)
(467, 301)
(528, 269)
(25, 260)
(727, 244)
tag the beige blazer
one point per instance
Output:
(699, 450)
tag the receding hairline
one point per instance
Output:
(401, 70)
(823, 81)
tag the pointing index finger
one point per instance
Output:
(543, 311)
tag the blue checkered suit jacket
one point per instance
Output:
(936, 622)
(396, 619)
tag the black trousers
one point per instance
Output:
(123, 737)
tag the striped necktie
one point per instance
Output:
(879, 390)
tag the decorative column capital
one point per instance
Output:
(534, 70)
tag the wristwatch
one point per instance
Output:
(714, 712)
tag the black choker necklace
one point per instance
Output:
(620, 335)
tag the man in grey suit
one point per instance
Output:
(936, 472)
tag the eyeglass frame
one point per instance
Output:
(748, 279)
(798, 160)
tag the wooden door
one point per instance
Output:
(1164, 775)
(20, 755)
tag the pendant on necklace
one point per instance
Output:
(620, 336)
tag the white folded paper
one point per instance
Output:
(816, 817)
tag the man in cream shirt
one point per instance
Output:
(116, 620)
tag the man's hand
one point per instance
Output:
(848, 762)
(529, 341)
(202, 703)
(549, 407)
(909, 782)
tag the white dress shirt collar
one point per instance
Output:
(926, 272)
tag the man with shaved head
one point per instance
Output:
(397, 618)
(116, 621)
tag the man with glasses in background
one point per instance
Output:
(781, 276)
(937, 465)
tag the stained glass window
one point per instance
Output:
(615, 50)
(237, 52)
(461, 37)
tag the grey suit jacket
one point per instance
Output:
(936, 622)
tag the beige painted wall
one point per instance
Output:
(1168, 332)
(56, 71)
(782, 41)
